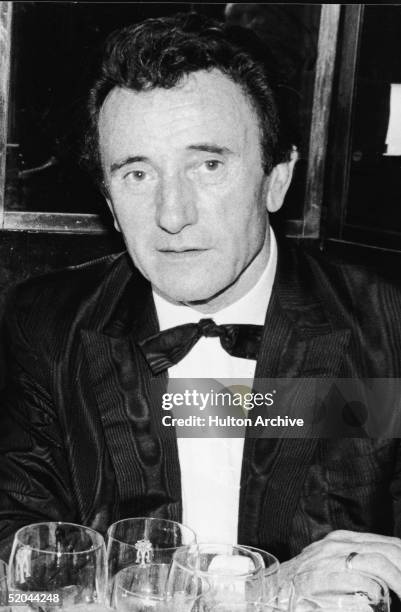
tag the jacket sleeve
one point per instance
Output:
(34, 475)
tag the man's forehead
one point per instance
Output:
(200, 101)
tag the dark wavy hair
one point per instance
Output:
(160, 52)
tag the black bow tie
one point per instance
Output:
(166, 348)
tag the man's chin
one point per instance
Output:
(185, 294)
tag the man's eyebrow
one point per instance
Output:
(131, 159)
(210, 148)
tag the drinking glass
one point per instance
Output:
(343, 590)
(62, 562)
(218, 573)
(144, 541)
(141, 588)
(270, 573)
(246, 607)
(3, 587)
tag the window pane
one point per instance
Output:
(54, 45)
(374, 200)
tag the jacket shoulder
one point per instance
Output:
(355, 295)
(351, 277)
(59, 297)
(345, 289)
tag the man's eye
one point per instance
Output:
(212, 164)
(136, 175)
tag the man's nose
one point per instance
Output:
(176, 204)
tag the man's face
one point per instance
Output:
(183, 170)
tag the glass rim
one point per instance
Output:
(263, 552)
(94, 547)
(255, 605)
(148, 518)
(205, 573)
(150, 596)
(364, 574)
(258, 606)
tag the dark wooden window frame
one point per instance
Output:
(336, 229)
(310, 224)
(307, 227)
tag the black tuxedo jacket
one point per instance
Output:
(80, 433)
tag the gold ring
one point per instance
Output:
(348, 560)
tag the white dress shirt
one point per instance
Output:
(211, 467)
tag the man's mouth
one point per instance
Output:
(183, 251)
(182, 255)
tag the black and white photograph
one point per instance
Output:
(200, 307)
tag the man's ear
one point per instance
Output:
(110, 205)
(279, 182)
(106, 196)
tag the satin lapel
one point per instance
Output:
(128, 398)
(298, 342)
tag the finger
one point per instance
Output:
(384, 565)
(333, 548)
(380, 567)
(353, 537)
(361, 536)
(376, 566)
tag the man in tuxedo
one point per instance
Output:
(184, 139)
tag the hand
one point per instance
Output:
(378, 555)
